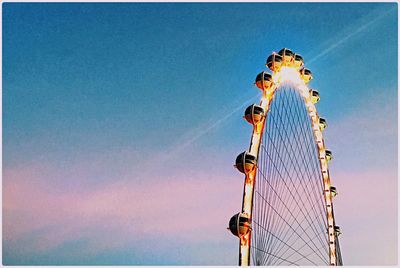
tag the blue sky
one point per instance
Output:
(121, 123)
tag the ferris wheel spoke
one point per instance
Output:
(289, 174)
(295, 229)
(283, 242)
(296, 217)
(317, 192)
(302, 175)
(303, 257)
(289, 190)
(290, 226)
(274, 219)
(297, 260)
(323, 246)
(304, 164)
(287, 261)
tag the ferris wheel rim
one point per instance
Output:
(309, 100)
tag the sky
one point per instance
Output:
(121, 124)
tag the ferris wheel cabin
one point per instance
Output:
(245, 162)
(322, 123)
(274, 62)
(306, 75)
(239, 225)
(254, 114)
(287, 57)
(328, 155)
(264, 81)
(333, 191)
(298, 61)
(337, 230)
(314, 96)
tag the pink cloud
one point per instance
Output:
(195, 208)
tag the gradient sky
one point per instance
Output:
(121, 123)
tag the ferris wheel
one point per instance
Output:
(287, 210)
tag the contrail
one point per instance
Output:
(217, 123)
(201, 131)
(343, 40)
